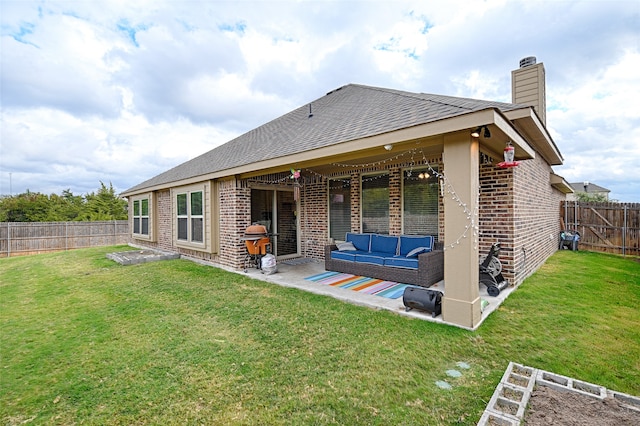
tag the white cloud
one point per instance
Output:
(121, 91)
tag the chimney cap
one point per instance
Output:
(528, 61)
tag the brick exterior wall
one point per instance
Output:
(538, 226)
(314, 218)
(235, 217)
(164, 226)
(517, 208)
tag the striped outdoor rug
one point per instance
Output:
(388, 289)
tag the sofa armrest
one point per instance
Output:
(431, 267)
(328, 248)
(328, 262)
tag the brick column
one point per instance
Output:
(395, 202)
(355, 202)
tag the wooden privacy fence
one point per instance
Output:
(20, 238)
(604, 227)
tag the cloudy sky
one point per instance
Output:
(121, 90)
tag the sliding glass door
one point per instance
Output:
(277, 211)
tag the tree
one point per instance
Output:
(105, 205)
(37, 207)
(25, 207)
(592, 198)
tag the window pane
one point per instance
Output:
(420, 203)
(262, 208)
(136, 208)
(136, 225)
(145, 226)
(196, 203)
(145, 207)
(375, 204)
(182, 229)
(197, 231)
(182, 204)
(339, 208)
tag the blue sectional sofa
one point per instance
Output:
(409, 259)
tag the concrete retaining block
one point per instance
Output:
(492, 418)
(520, 376)
(630, 401)
(509, 400)
(563, 383)
(134, 257)
(511, 396)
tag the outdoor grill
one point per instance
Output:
(258, 244)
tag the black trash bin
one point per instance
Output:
(569, 240)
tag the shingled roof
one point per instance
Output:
(348, 113)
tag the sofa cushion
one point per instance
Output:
(384, 244)
(360, 241)
(410, 242)
(374, 258)
(400, 261)
(349, 256)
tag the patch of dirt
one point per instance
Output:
(550, 406)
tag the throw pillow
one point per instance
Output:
(416, 251)
(345, 246)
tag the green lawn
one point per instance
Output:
(87, 341)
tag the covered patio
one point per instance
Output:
(450, 155)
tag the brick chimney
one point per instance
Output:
(528, 86)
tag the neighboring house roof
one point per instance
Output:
(348, 113)
(590, 187)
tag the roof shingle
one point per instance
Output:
(348, 113)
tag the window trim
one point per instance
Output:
(418, 169)
(189, 216)
(349, 205)
(363, 178)
(150, 216)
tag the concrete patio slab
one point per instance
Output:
(134, 257)
(293, 275)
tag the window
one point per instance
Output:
(375, 204)
(190, 216)
(420, 203)
(339, 208)
(141, 217)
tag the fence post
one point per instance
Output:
(624, 232)
(8, 239)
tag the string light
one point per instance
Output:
(470, 228)
(373, 164)
(472, 216)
